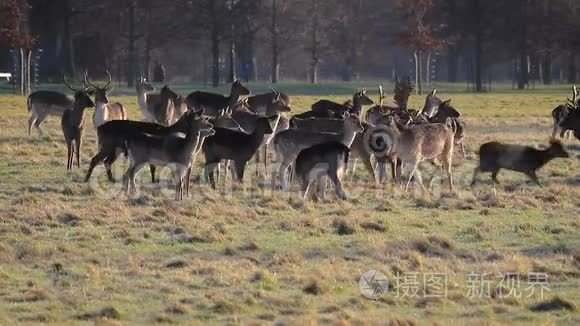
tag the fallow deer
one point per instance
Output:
(236, 146)
(41, 104)
(560, 113)
(165, 150)
(113, 134)
(212, 103)
(326, 159)
(432, 141)
(289, 143)
(359, 99)
(105, 111)
(494, 156)
(72, 123)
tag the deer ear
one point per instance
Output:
(433, 92)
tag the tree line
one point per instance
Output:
(216, 41)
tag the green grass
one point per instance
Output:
(253, 255)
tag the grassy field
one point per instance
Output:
(74, 253)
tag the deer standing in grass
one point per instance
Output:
(561, 112)
(359, 99)
(432, 141)
(212, 103)
(172, 149)
(288, 143)
(104, 110)
(73, 121)
(41, 104)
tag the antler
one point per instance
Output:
(67, 84)
(87, 82)
(110, 79)
(381, 95)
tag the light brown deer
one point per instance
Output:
(105, 111)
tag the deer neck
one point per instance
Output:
(348, 136)
(100, 114)
(78, 116)
(142, 99)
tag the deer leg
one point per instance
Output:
(257, 155)
(352, 173)
(109, 160)
(69, 154)
(447, 166)
(462, 149)
(266, 158)
(305, 186)
(369, 165)
(240, 166)
(39, 119)
(152, 170)
(413, 170)
(78, 142)
(282, 174)
(534, 177)
(94, 161)
(475, 174)
(187, 181)
(31, 122)
(209, 172)
(321, 187)
(494, 176)
(337, 185)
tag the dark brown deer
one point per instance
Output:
(359, 99)
(560, 113)
(73, 121)
(164, 150)
(105, 111)
(112, 137)
(236, 146)
(212, 103)
(494, 156)
(326, 159)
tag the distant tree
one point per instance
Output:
(418, 36)
(14, 33)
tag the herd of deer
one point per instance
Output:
(315, 143)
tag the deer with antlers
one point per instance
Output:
(73, 121)
(561, 112)
(105, 110)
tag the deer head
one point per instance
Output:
(82, 96)
(100, 92)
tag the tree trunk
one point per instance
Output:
(428, 70)
(22, 81)
(232, 72)
(131, 58)
(147, 58)
(275, 63)
(215, 47)
(418, 58)
(28, 76)
(314, 71)
(68, 46)
(478, 75)
(571, 71)
(547, 69)
(314, 46)
(452, 63)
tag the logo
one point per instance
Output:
(372, 284)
